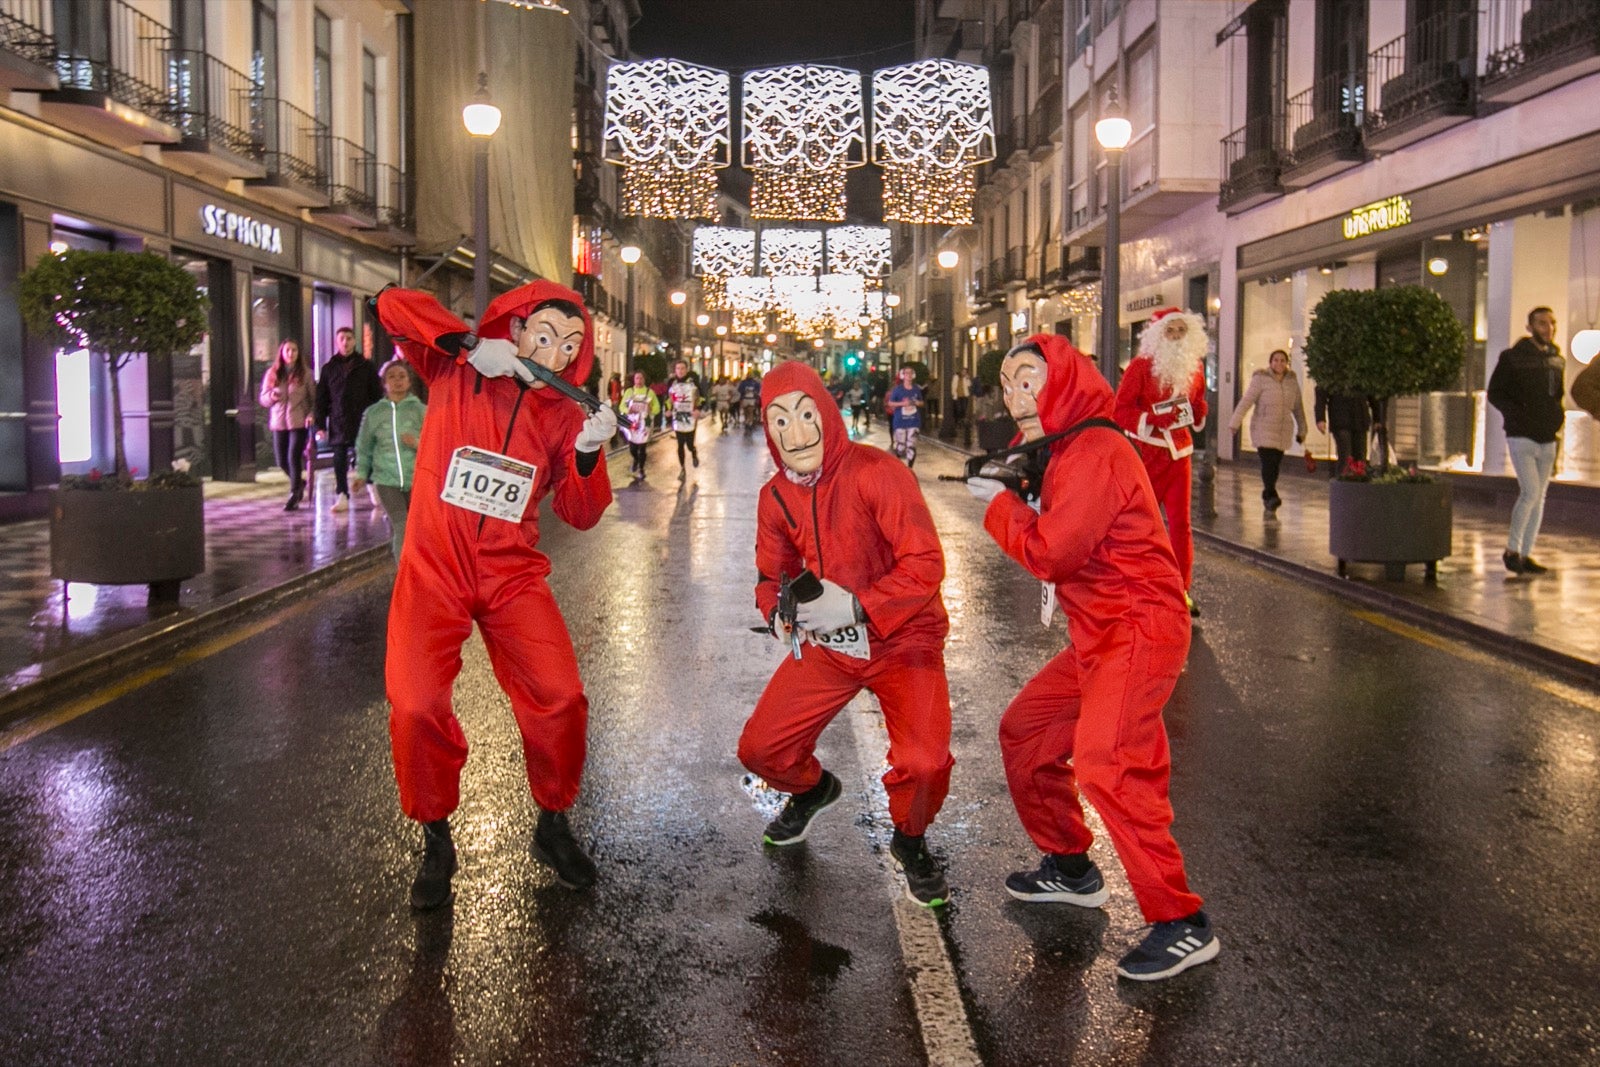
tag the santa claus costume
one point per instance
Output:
(493, 445)
(854, 518)
(1161, 399)
(1089, 724)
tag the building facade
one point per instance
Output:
(263, 144)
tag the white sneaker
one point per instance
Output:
(341, 504)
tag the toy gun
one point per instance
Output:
(1025, 478)
(801, 589)
(589, 401)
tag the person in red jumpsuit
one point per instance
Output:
(1089, 724)
(853, 517)
(1162, 398)
(495, 441)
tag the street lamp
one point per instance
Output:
(678, 298)
(947, 259)
(890, 302)
(481, 119)
(1113, 131)
(722, 352)
(630, 256)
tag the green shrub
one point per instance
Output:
(1385, 342)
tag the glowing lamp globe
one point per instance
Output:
(701, 319)
(818, 343)
(722, 331)
(772, 338)
(678, 297)
(1585, 345)
(948, 259)
(893, 300)
(630, 254)
(1113, 132)
(481, 118)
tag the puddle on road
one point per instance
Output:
(798, 950)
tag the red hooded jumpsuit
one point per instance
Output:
(459, 567)
(1164, 449)
(1090, 721)
(865, 526)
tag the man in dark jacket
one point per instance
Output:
(1348, 419)
(347, 388)
(1526, 389)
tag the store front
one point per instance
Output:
(1492, 255)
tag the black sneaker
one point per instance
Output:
(1170, 948)
(1514, 563)
(1051, 885)
(556, 848)
(1530, 567)
(1273, 502)
(794, 821)
(431, 888)
(925, 882)
(1194, 609)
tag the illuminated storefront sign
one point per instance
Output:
(1375, 217)
(229, 226)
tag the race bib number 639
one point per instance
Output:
(488, 483)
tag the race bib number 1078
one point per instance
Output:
(488, 483)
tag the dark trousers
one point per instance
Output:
(1349, 443)
(341, 468)
(686, 440)
(289, 446)
(1271, 460)
(638, 454)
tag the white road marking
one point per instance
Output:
(946, 1033)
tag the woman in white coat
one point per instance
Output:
(1280, 414)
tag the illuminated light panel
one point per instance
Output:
(803, 127)
(859, 250)
(933, 122)
(667, 123)
(713, 292)
(788, 252)
(726, 251)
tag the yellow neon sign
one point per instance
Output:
(1376, 217)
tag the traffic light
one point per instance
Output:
(851, 359)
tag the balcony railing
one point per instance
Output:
(295, 145)
(354, 185)
(216, 104)
(1427, 69)
(125, 57)
(1534, 45)
(1083, 264)
(397, 189)
(1324, 127)
(1044, 122)
(1252, 162)
(23, 32)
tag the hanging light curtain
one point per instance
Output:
(932, 125)
(666, 123)
(803, 127)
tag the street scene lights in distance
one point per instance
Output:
(701, 319)
(630, 254)
(893, 300)
(772, 338)
(678, 297)
(722, 331)
(947, 259)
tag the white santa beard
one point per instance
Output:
(1175, 363)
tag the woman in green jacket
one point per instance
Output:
(386, 448)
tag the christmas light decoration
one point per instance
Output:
(724, 250)
(1081, 300)
(714, 292)
(803, 127)
(536, 5)
(932, 124)
(666, 122)
(787, 252)
(859, 250)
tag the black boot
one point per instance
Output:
(556, 848)
(432, 885)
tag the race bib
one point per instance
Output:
(488, 483)
(851, 641)
(1047, 602)
(1178, 406)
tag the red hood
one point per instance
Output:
(1073, 388)
(520, 303)
(786, 378)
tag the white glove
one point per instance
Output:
(833, 610)
(597, 430)
(497, 358)
(985, 489)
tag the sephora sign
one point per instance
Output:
(227, 225)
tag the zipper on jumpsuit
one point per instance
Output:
(511, 424)
(394, 430)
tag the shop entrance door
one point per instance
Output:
(206, 384)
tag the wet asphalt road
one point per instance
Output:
(1397, 837)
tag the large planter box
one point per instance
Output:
(111, 537)
(1393, 524)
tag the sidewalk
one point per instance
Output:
(254, 550)
(1551, 621)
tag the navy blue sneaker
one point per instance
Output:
(1171, 948)
(1050, 885)
(794, 821)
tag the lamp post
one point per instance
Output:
(890, 302)
(947, 260)
(1113, 131)
(481, 119)
(722, 358)
(679, 299)
(630, 256)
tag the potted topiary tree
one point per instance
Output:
(117, 529)
(1383, 343)
(996, 428)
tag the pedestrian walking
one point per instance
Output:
(724, 395)
(347, 388)
(1526, 388)
(286, 393)
(386, 448)
(749, 400)
(1347, 420)
(904, 404)
(1586, 389)
(1279, 416)
(849, 527)
(495, 442)
(1089, 724)
(683, 395)
(637, 408)
(1161, 402)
